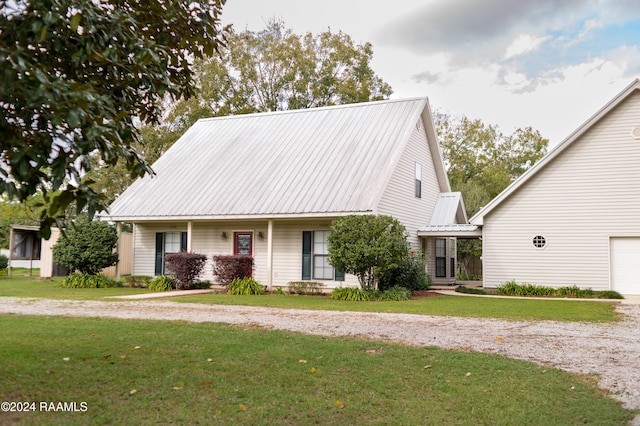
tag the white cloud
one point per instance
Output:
(524, 43)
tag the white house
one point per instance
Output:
(269, 185)
(573, 218)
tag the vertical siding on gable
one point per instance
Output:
(399, 198)
(590, 192)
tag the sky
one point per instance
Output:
(548, 64)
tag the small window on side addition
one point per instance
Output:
(539, 241)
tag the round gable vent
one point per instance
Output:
(635, 133)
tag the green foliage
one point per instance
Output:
(161, 283)
(411, 274)
(137, 281)
(87, 246)
(76, 280)
(15, 213)
(199, 285)
(245, 286)
(469, 290)
(4, 261)
(368, 246)
(305, 287)
(396, 293)
(512, 288)
(609, 294)
(352, 294)
(78, 75)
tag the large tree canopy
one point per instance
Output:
(269, 70)
(77, 75)
(481, 161)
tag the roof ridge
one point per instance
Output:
(314, 109)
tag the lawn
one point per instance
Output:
(464, 306)
(25, 286)
(150, 372)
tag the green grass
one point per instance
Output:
(511, 309)
(150, 372)
(21, 286)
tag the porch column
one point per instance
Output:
(270, 256)
(118, 249)
(189, 234)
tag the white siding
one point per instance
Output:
(207, 239)
(587, 194)
(399, 198)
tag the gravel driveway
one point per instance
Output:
(611, 351)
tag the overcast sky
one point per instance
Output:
(549, 64)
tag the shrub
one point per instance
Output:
(470, 290)
(245, 286)
(394, 294)
(76, 280)
(573, 291)
(199, 284)
(511, 288)
(609, 294)
(411, 274)
(87, 247)
(186, 267)
(4, 261)
(367, 246)
(351, 294)
(305, 287)
(137, 281)
(228, 268)
(161, 283)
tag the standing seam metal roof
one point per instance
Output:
(314, 161)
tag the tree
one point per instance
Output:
(481, 161)
(77, 76)
(367, 246)
(87, 246)
(270, 70)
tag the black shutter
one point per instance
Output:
(306, 255)
(159, 244)
(183, 241)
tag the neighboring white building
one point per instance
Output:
(269, 185)
(573, 218)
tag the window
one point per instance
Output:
(418, 180)
(315, 257)
(441, 258)
(168, 242)
(26, 245)
(539, 241)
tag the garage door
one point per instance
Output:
(625, 265)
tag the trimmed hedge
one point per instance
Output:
(228, 268)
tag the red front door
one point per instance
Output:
(243, 243)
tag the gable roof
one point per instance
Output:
(449, 209)
(312, 162)
(478, 218)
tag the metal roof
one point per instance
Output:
(449, 209)
(319, 161)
